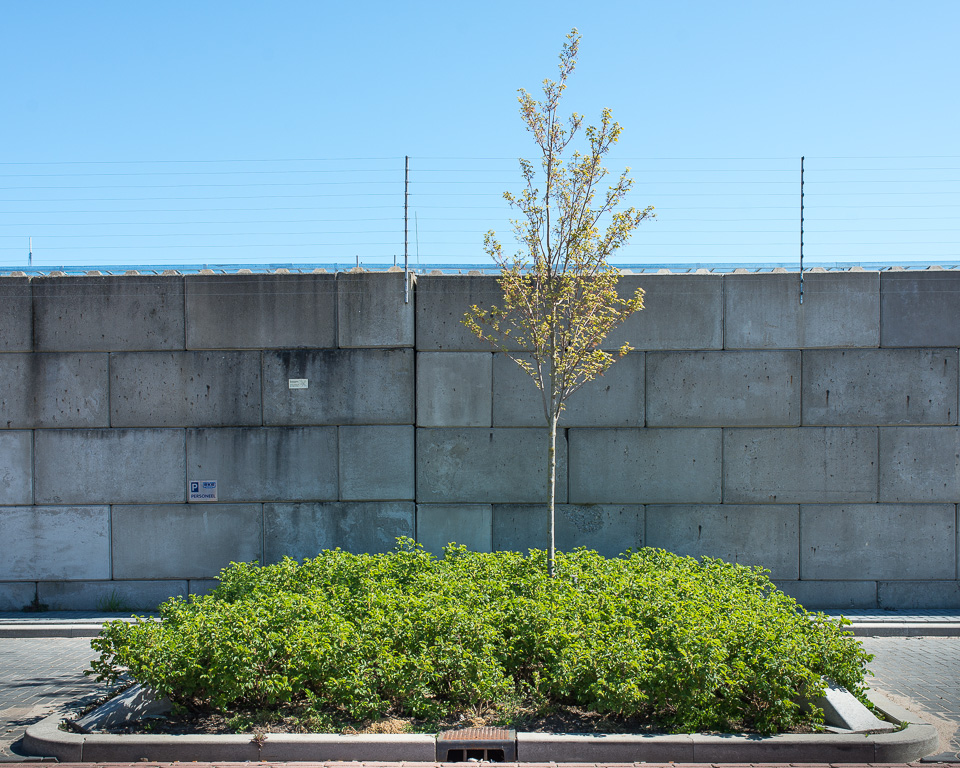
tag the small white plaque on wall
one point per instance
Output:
(298, 383)
(203, 490)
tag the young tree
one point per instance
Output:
(560, 296)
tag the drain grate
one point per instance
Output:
(495, 745)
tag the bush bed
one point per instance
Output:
(685, 645)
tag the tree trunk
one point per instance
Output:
(552, 493)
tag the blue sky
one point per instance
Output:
(254, 132)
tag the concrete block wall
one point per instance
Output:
(819, 440)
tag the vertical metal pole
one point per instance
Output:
(801, 230)
(30, 254)
(406, 191)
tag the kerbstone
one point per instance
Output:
(486, 465)
(108, 595)
(109, 466)
(609, 529)
(817, 594)
(612, 400)
(371, 311)
(902, 595)
(54, 389)
(181, 389)
(723, 389)
(266, 463)
(840, 309)
(350, 386)
(920, 464)
(470, 525)
(261, 311)
(68, 542)
(644, 466)
(878, 541)
(303, 530)
(750, 534)
(16, 595)
(442, 301)
(16, 314)
(16, 467)
(880, 386)
(377, 463)
(805, 464)
(105, 314)
(183, 541)
(920, 309)
(454, 389)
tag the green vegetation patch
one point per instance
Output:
(682, 644)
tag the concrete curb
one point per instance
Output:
(915, 741)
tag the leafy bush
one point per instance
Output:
(685, 644)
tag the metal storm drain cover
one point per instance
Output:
(497, 745)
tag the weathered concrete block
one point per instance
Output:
(357, 386)
(106, 314)
(266, 463)
(16, 468)
(919, 464)
(185, 389)
(110, 466)
(723, 389)
(612, 400)
(16, 314)
(108, 595)
(55, 543)
(880, 386)
(304, 530)
(16, 595)
(55, 389)
(470, 525)
(183, 541)
(750, 534)
(202, 586)
(261, 311)
(609, 529)
(808, 464)
(644, 466)
(442, 301)
(454, 389)
(878, 541)
(918, 594)
(920, 309)
(840, 309)
(486, 465)
(377, 463)
(680, 312)
(371, 311)
(816, 595)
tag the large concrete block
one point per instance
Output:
(261, 311)
(806, 464)
(16, 468)
(183, 541)
(377, 463)
(106, 314)
(371, 311)
(612, 400)
(470, 525)
(723, 389)
(767, 535)
(644, 466)
(680, 312)
(122, 596)
(880, 386)
(484, 466)
(17, 595)
(185, 389)
(266, 463)
(55, 543)
(454, 389)
(16, 314)
(920, 309)
(356, 386)
(609, 529)
(303, 530)
(840, 309)
(54, 389)
(442, 301)
(900, 595)
(919, 464)
(878, 541)
(110, 466)
(816, 595)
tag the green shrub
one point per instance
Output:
(685, 644)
